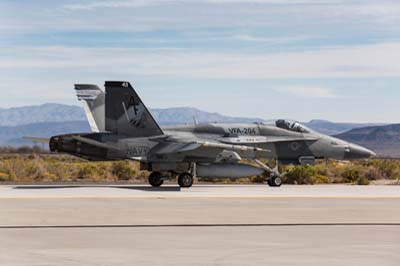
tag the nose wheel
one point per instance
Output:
(274, 181)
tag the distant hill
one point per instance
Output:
(332, 128)
(185, 115)
(49, 112)
(384, 140)
(51, 119)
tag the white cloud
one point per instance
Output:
(194, 15)
(378, 60)
(276, 2)
(308, 92)
(115, 4)
(91, 5)
(268, 40)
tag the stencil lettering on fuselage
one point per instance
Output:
(137, 151)
(242, 131)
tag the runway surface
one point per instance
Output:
(204, 225)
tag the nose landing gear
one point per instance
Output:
(275, 178)
(274, 181)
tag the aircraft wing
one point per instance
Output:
(191, 146)
(212, 151)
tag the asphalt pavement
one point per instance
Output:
(204, 225)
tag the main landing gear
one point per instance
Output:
(185, 180)
(156, 179)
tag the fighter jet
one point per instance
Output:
(124, 129)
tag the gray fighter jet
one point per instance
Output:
(123, 128)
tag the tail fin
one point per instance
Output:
(93, 99)
(125, 112)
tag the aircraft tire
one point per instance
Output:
(185, 180)
(275, 181)
(155, 179)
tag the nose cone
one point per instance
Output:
(355, 152)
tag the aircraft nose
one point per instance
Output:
(354, 152)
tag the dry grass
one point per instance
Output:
(64, 168)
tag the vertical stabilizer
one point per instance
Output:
(93, 100)
(125, 112)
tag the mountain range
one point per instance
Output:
(384, 140)
(52, 119)
(51, 112)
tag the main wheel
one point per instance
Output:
(155, 179)
(185, 180)
(275, 181)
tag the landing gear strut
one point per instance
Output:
(186, 180)
(156, 179)
(275, 178)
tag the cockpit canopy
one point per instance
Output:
(292, 126)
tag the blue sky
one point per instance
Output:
(302, 59)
